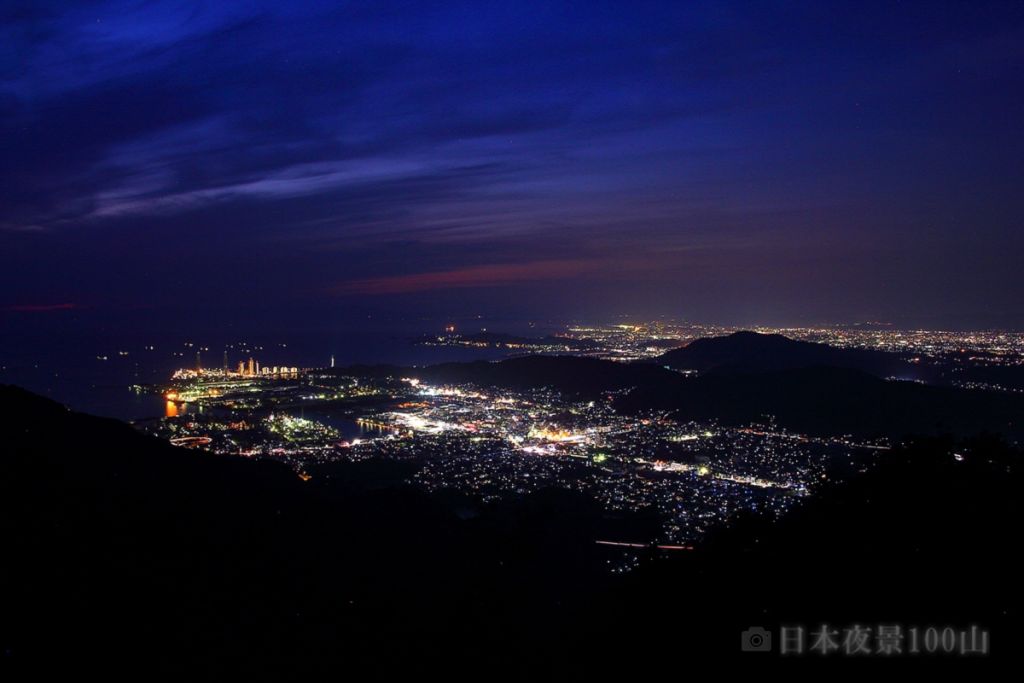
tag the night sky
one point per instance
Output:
(731, 162)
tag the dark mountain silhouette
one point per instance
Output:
(574, 374)
(825, 400)
(923, 539)
(122, 551)
(745, 352)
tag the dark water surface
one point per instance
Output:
(93, 370)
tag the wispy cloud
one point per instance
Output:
(472, 276)
(277, 143)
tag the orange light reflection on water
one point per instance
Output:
(172, 409)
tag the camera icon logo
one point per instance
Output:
(756, 639)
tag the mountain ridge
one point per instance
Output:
(747, 351)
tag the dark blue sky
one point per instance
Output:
(737, 162)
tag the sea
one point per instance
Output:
(98, 371)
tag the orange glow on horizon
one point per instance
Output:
(473, 276)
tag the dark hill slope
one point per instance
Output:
(754, 352)
(815, 400)
(121, 551)
(824, 400)
(923, 540)
(119, 548)
(572, 374)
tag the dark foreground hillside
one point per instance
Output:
(121, 551)
(926, 539)
(121, 548)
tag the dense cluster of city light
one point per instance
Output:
(639, 340)
(494, 444)
(250, 368)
